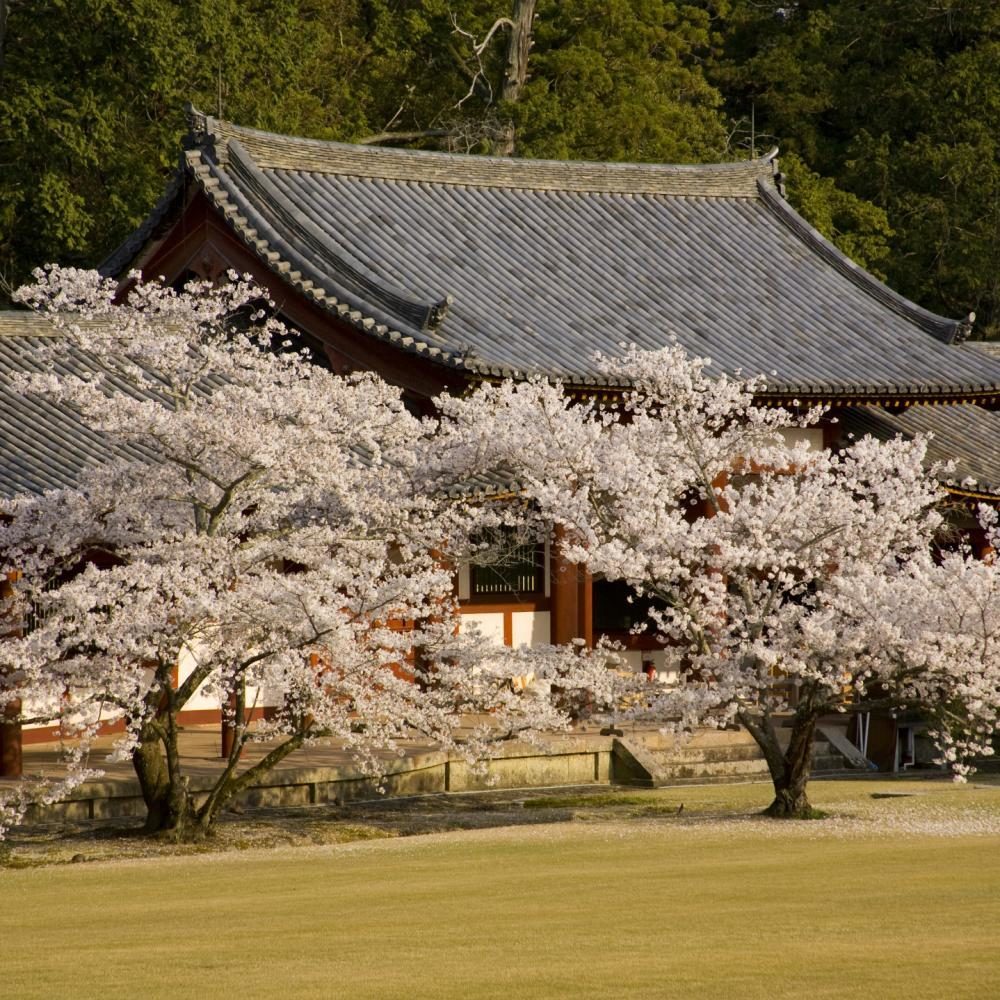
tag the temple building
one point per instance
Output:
(439, 271)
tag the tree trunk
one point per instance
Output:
(790, 800)
(230, 785)
(150, 769)
(789, 769)
(516, 70)
(169, 810)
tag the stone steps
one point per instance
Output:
(702, 779)
(708, 758)
(832, 761)
(716, 768)
(850, 772)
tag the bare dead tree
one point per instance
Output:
(461, 131)
(413, 135)
(743, 140)
(519, 29)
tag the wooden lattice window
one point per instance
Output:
(517, 569)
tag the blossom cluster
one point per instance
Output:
(787, 579)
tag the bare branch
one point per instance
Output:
(500, 22)
(426, 133)
(479, 77)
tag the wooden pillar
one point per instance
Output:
(229, 726)
(565, 594)
(572, 589)
(11, 749)
(720, 482)
(11, 752)
(585, 606)
(981, 547)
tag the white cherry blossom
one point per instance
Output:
(788, 582)
(262, 523)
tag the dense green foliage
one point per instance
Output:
(621, 80)
(93, 96)
(897, 103)
(887, 114)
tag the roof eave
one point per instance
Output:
(948, 331)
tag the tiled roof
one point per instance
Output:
(968, 434)
(991, 348)
(43, 446)
(507, 266)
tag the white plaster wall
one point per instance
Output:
(186, 664)
(666, 668)
(633, 659)
(812, 436)
(94, 714)
(490, 624)
(530, 628)
(31, 707)
(199, 701)
(37, 706)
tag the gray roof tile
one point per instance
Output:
(504, 265)
(967, 434)
(43, 446)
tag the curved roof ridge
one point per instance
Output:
(947, 330)
(272, 151)
(297, 228)
(25, 323)
(245, 221)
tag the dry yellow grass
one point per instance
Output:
(895, 897)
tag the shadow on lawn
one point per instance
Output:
(244, 828)
(290, 826)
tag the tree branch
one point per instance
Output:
(425, 133)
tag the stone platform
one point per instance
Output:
(329, 773)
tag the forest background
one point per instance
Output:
(887, 113)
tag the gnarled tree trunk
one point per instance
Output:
(169, 809)
(789, 768)
(790, 800)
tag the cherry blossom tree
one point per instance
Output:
(788, 581)
(261, 533)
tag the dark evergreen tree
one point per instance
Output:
(898, 104)
(93, 92)
(887, 114)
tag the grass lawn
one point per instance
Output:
(891, 897)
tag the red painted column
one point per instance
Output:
(585, 606)
(11, 750)
(229, 727)
(565, 588)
